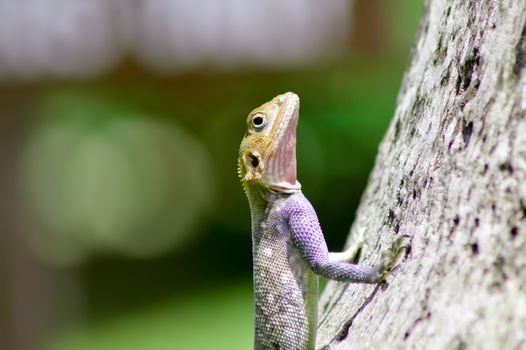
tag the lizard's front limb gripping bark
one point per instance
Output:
(308, 239)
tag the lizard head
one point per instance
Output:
(267, 155)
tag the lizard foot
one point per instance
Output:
(391, 256)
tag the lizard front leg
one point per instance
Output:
(308, 238)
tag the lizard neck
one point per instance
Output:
(261, 199)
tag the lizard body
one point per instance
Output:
(289, 249)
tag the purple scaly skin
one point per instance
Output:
(289, 250)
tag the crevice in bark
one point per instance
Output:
(342, 334)
(328, 308)
(467, 130)
(520, 54)
(467, 69)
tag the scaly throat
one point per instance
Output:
(280, 173)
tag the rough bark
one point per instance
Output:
(451, 174)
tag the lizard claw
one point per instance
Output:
(391, 256)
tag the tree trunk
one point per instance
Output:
(451, 174)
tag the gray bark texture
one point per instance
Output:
(451, 174)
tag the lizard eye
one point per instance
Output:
(259, 121)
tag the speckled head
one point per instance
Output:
(267, 155)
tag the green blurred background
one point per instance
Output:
(123, 223)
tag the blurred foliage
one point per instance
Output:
(101, 177)
(204, 320)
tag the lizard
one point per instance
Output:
(288, 246)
